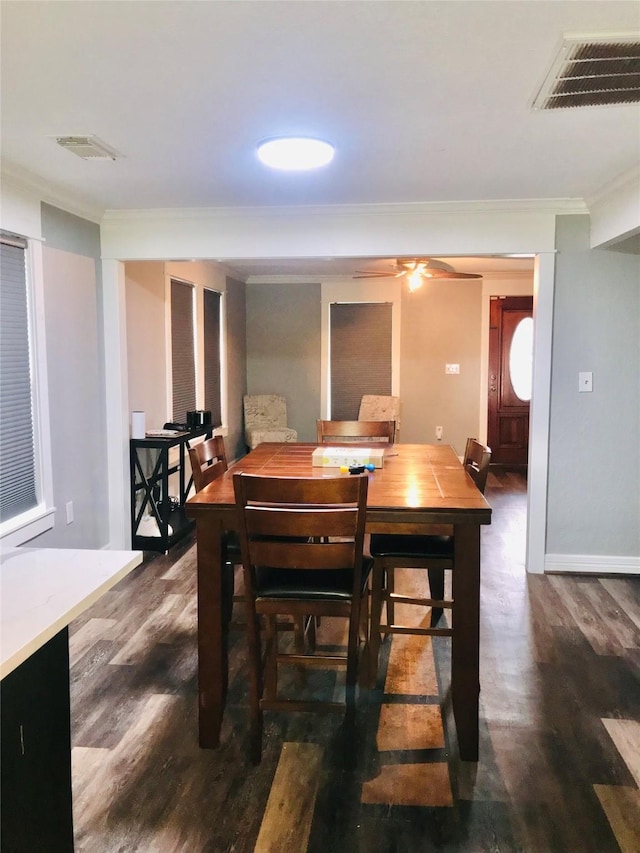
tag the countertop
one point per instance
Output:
(43, 589)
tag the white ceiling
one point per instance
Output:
(425, 101)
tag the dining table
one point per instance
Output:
(419, 489)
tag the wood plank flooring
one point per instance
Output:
(559, 761)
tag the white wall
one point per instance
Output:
(594, 456)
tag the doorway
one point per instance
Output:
(509, 378)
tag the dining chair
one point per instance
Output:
(208, 462)
(302, 554)
(265, 419)
(350, 431)
(432, 552)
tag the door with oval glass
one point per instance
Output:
(510, 367)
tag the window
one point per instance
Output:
(17, 451)
(521, 359)
(25, 468)
(212, 385)
(183, 365)
(360, 360)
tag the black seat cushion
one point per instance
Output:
(230, 545)
(310, 584)
(394, 545)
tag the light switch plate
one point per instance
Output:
(585, 381)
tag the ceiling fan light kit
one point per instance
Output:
(416, 270)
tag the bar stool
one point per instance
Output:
(430, 552)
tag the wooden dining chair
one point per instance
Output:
(361, 431)
(302, 553)
(208, 462)
(431, 552)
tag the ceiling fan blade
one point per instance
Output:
(373, 274)
(433, 272)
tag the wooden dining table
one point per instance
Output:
(420, 488)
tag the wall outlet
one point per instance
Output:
(439, 433)
(452, 368)
(69, 508)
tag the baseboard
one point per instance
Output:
(586, 564)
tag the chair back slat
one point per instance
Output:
(318, 520)
(314, 554)
(362, 431)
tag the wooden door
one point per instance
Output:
(509, 378)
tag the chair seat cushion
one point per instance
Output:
(310, 584)
(392, 545)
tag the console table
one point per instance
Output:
(42, 591)
(158, 519)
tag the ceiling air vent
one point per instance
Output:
(593, 71)
(88, 147)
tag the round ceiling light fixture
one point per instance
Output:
(295, 153)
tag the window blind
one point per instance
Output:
(212, 304)
(360, 354)
(17, 453)
(183, 366)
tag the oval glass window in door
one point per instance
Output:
(521, 359)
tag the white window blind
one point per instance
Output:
(18, 492)
(183, 366)
(360, 354)
(212, 395)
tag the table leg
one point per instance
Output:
(212, 634)
(465, 643)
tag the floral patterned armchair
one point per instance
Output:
(265, 419)
(374, 407)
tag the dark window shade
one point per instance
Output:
(212, 355)
(17, 454)
(183, 365)
(360, 359)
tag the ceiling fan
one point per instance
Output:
(417, 270)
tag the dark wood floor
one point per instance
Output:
(559, 765)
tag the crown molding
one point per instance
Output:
(624, 180)
(505, 275)
(51, 193)
(548, 206)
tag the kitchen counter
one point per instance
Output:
(41, 591)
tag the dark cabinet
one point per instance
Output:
(160, 483)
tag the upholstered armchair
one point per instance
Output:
(265, 419)
(374, 407)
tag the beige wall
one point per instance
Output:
(148, 333)
(440, 325)
(146, 349)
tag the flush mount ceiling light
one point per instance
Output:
(295, 153)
